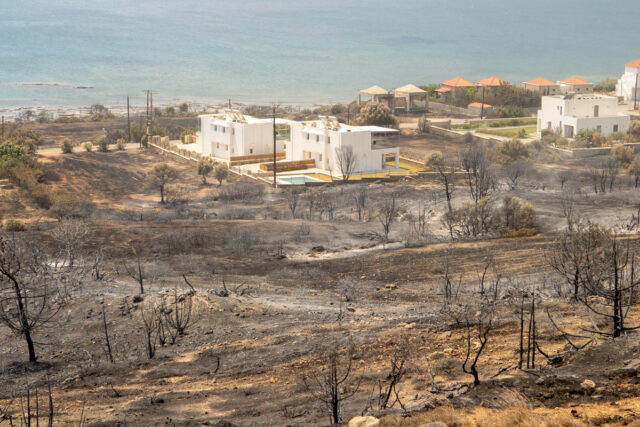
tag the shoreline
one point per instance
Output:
(120, 110)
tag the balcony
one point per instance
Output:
(384, 143)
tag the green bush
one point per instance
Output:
(607, 85)
(121, 144)
(512, 150)
(88, 146)
(66, 146)
(10, 151)
(511, 111)
(14, 225)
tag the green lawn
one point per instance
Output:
(496, 124)
(509, 133)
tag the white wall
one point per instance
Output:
(626, 86)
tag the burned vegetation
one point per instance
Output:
(501, 284)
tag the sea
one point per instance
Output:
(57, 54)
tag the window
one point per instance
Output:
(250, 150)
(223, 130)
(596, 111)
(320, 157)
(215, 128)
(328, 140)
(307, 136)
(233, 131)
(285, 146)
(317, 138)
(217, 145)
(615, 128)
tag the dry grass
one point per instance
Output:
(483, 417)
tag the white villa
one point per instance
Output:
(627, 87)
(233, 134)
(323, 140)
(568, 114)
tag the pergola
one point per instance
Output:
(376, 94)
(410, 98)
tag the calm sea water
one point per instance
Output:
(296, 51)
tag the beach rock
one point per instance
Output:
(367, 421)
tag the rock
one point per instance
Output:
(137, 299)
(540, 381)
(447, 334)
(317, 249)
(367, 421)
(588, 385)
(391, 286)
(450, 395)
(351, 309)
(434, 424)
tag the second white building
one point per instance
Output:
(569, 114)
(373, 148)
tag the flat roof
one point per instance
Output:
(379, 129)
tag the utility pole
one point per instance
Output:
(275, 179)
(128, 120)
(482, 106)
(229, 104)
(149, 105)
(2, 135)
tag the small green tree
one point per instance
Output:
(376, 114)
(205, 167)
(88, 146)
(221, 172)
(159, 176)
(121, 144)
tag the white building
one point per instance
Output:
(233, 134)
(627, 87)
(323, 140)
(569, 114)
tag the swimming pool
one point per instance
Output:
(297, 179)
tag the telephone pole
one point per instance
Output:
(2, 135)
(128, 120)
(275, 177)
(149, 106)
